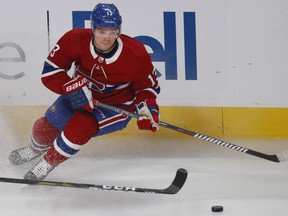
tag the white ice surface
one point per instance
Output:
(242, 184)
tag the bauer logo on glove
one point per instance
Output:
(78, 93)
(75, 84)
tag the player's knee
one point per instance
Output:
(43, 132)
(81, 127)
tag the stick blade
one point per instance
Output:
(283, 156)
(178, 182)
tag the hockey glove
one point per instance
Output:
(78, 93)
(149, 111)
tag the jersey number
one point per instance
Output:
(55, 49)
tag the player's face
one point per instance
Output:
(104, 38)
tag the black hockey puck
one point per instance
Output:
(217, 208)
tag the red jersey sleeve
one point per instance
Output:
(60, 60)
(146, 85)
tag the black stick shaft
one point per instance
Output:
(176, 185)
(273, 158)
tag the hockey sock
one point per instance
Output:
(43, 135)
(78, 131)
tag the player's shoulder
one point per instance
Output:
(136, 54)
(129, 41)
(132, 45)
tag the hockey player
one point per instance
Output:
(110, 67)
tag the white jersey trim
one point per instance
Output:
(114, 57)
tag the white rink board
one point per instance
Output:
(241, 49)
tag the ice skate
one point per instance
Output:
(39, 171)
(23, 155)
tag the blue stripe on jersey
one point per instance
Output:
(157, 90)
(48, 68)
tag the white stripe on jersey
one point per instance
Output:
(112, 120)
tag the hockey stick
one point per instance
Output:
(283, 156)
(176, 185)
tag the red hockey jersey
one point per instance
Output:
(125, 78)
